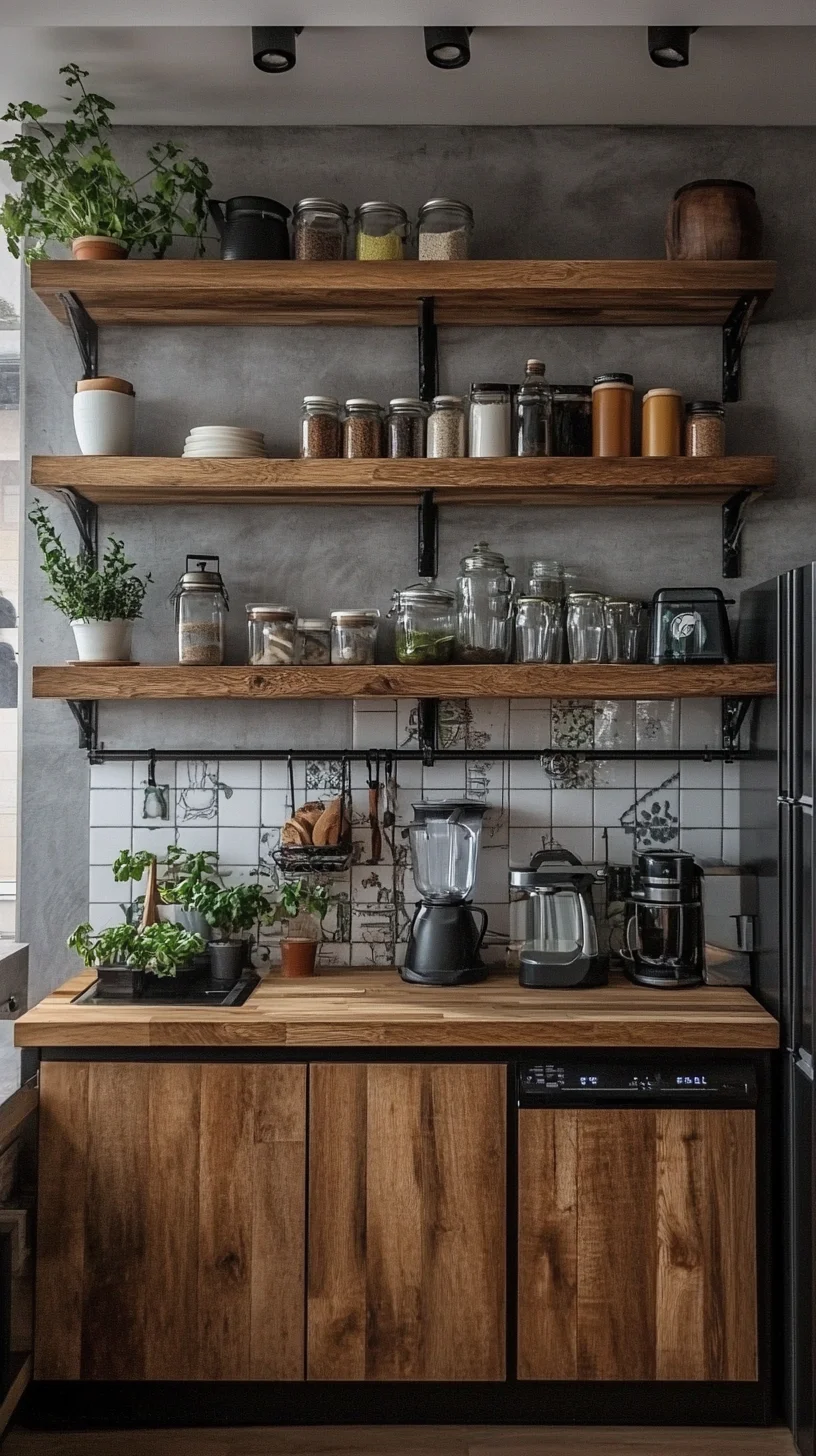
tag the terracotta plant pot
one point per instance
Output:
(298, 958)
(97, 249)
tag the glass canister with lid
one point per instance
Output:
(612, 402)
(445, 434)
(320, 428)
(705, 427)
(484, 607)
(405, 429)
(585, 626)
(362, 429)
(314, 641)
(201, 604)
(354, 637)
(425, 623)
(381, 229)
(320, 228)
(444, 229)
(539, 629)
(489, 420)
(271, 634)
(572, 419)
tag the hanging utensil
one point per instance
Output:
(373, 767)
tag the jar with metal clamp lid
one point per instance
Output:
(201, 604)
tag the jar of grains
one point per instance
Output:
(446, 428)
(425, 623)
(444, 229)
(612, 399)
(362, 429)
(381, 229)
(662, 423)
(271, 634)
(489, 420)
(354, 637)
(313, 641)
(406, 429)
(201, 604)
(320, 431)
(705, 427)
(320, 230)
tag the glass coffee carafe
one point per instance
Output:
(484, 603)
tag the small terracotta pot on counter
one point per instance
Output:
(94, 248)
(713, 219)
(298, 958)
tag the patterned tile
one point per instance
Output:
(657, 723)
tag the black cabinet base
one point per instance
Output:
(120, 1404)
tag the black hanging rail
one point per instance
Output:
(487, 754)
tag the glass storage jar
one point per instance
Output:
(444, 230)
(425, 623)
(489, 420)
(445, 433)
(405, 429)
(320, 429)
(271, 634)
(705, 427)
(381, 229)
(320, 228)
(539, 630)
(624, 630)
(354, 637)
(572, 419)
(314, 641)
(662, 423)
(612, 400)
(201, 604)
(533, 423)
(547, 579)
(585, 626)
(362, 429)
(484, 607)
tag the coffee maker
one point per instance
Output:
(443, 947)
(665, 940)
(552, 920)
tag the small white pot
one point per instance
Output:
(104, 641)
(103, 420)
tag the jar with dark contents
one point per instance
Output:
(405, 429)
(533, 424)
(320, 228)
(572, 419)
(320, 431)
(705, 427)
(362, 430)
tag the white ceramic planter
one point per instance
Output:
(103, 641)
(103, 420)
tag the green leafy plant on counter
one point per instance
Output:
(301, 903)
(183, 871)
(163, 949)
(72, 186)
(230, 911)
(81, 590)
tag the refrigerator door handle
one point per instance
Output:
(804, 1063)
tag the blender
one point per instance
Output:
(444, 943)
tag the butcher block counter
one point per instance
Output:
(372, 1007)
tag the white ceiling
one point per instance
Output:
(406, 12)
(547, 75)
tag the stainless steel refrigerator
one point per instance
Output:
(776, 826)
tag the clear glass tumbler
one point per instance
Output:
(623, 621)
(539, 630)
(585, 626)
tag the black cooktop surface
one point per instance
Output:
(197, 993)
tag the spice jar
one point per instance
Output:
(362, 429)
(381, 229)
(313, 641)
(405, 429)
(201, 603)
(446, 428)
(705, 427)
(320, 229)
(489, 420)
(572, 419)
(320, 431)
(484, 602)
(271, 634)
(425, 623)
(444, 229)
(533, 426)
(354, 637)
(539, 630)
(612, 399)
(662, 426)
(585, 626)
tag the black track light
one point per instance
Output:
(448, 46)
(274, 47)
(669, 44)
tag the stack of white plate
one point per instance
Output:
(208, 441)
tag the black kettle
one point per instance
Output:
(254, 227)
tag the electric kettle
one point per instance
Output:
(552, 920)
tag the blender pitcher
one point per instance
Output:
(443, 947)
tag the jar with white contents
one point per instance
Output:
(489, 420)
(354, 637)
(271, 634)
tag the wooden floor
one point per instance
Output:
(409, 1441)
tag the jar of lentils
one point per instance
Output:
(406, 429)
(445, 229)
(381, 229)
(705, 427)
(320, 228)
(354, 637)
(362, 430)
(446, 428)
(320, 430)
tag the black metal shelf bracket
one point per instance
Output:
(428, 535)
(85, 516)
(428, 340)
(733, 520)
(734, 713)
(735, 329)
(86, 713)
(427, 728)
(85, 332)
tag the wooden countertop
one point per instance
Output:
(369, 1007)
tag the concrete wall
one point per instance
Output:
(552, 192)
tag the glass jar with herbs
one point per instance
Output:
(405, 429)
(354, 637)
(362, 430)
(381, 229)
(201, 605)
(425, 623)
(445, 434)
(320, 230)
(533, 424)
(444, 230)
(271, 634)
(320, 429)
(484, 607)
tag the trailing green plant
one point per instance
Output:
(230, 911)
(82, 590)
(72, 186)
(181, 871)
(163, 949)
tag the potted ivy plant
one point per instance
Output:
(303, 906)
(229, 912)
(100, 601)
(72, 190)
(132, 959)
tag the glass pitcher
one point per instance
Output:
(484, 601)
(445, 839)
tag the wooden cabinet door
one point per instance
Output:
(171, 1221)
(637, 1245)
(406, 1222)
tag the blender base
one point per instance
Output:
(444, 978)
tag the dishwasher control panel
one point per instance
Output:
(575, 1082)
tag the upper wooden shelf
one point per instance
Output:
(160, 480)
(506, 291)
(585, 680)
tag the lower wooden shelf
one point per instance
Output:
(585, 680)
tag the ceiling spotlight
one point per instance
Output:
(448, 46)
(669, 44)
(273, 47)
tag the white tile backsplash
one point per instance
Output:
(572, 807)
(239, 807)
(111, 807)
(106, 844)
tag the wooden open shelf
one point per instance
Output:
(394, 681)
(506, 291)
(160, 480)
